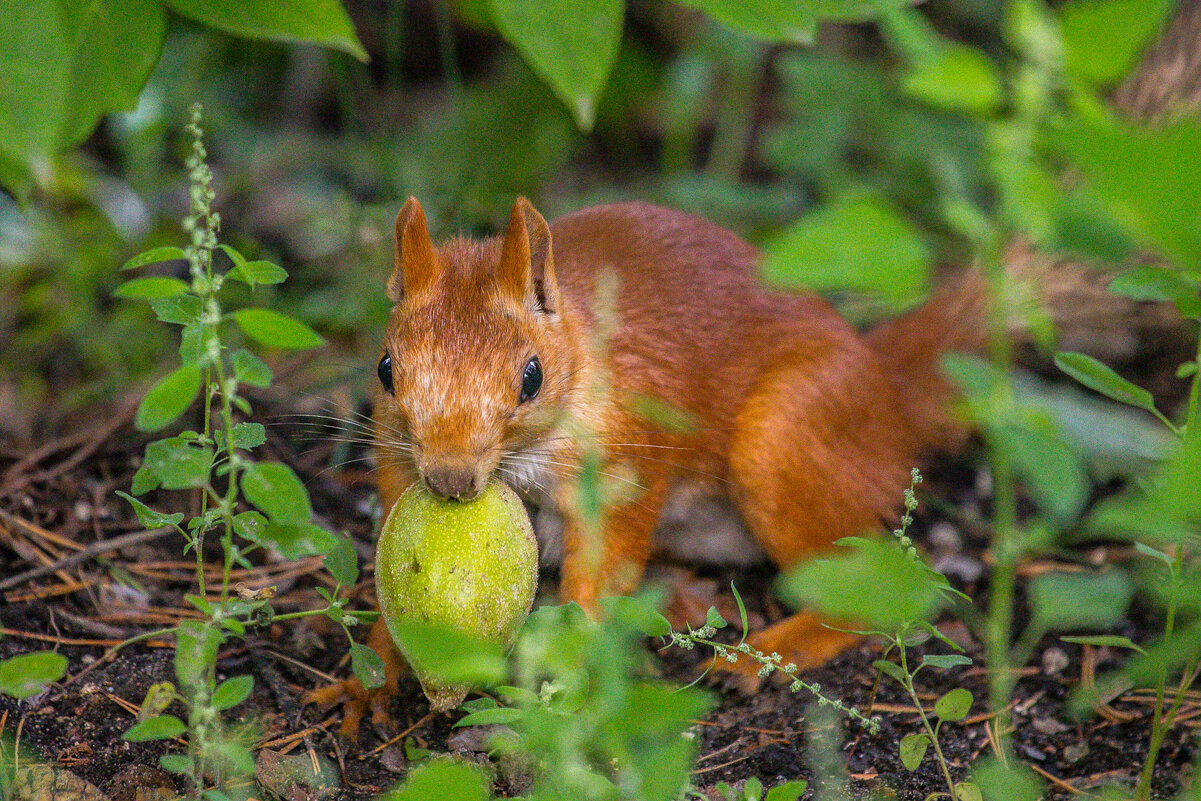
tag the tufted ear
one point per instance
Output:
(416, 266)
(527, 267)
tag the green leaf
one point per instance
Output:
(1049, 464)
(713, 618)
(277, 492)
(448, 654)
(262, 272)
(250, 369)
(232, 692)
(503, 715)
(366, 666)
(277, 330)
(999, 782)
(956, 78)
(177, 309)
(862, 244)
(967, 791)
(871, 581)
(571, 44)
(196, 647)
(793, 23)
(343, 562)
(176, 763)
(248, 435)
(26, 675)
(892, 670)
(151, 286)
(1160, 284)
(443, 778)
(154, 256)
(1155, 553)
(954, 705)
(295, 540)
(321, 22)
(1101, 378)
(945, 661)
(1063, 601)
(161, 727)
(640, 611)
(752, 789)
(1103, 39)
(179, 464)
(913, 749)
(788, 791)
(148, 517)
(143, 481)
(169, 398)
(1105, 641)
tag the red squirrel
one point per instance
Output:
(806, 427)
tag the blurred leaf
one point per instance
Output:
(763, 19)
(151, 286)
(953, 705)
(1159, 284)
(448, 654)
(442, 778)
(485, 717)
(178, 464)
(177, 309)
(154, 256)
(913, 749)
(294, 540)
(250, 369)
(26, 675)
(956, 78)
(968, 791)
(570, 43)
(998, 782)
(277, 330)
(367, 666)
(248, 435)
(254, 272)
(713, 618)
(1103, 39)
(1063, 601)
(322, 22)
(862, 243)
(163, 727)
(1104, 641)
(788, 791)
(944, 661)
(1100, 377)
(232, 692)
(874, 582)
(149, 517)
(1148, 177)
(343, 562)
(196, 647)
(1051, 468)
(276, 490)
(176, 763)
(640, 612)
(169, 398)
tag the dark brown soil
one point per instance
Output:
(60, 498)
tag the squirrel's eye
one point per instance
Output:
(385, 371)
(531, 379)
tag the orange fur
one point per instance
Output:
(809, 428)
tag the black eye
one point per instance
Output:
(385, 371)
(531, 379)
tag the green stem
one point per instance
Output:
(1158, 728)
(917, 703)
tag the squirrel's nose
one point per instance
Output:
(460, 483)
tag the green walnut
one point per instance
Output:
(472, 566)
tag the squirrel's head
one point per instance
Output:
(475, 365)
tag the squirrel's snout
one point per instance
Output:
(460, 483)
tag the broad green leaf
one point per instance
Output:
(873, 582)
(162, 727)
(295, 540)
(1103, 39)
(892, 670)
(250, 525)
(571, 44)
(448, 654)
(956, 78)
(250, 369)
(178, 464)
(713, 618)
(502, 714)
(366, 665)
(913, 749)
(277, 492)
(1063, 601)
(788, 791)
(1105, 641)
(25, 675)
(143, 481)
(277, 330)
(954, 705)
(169, 398)
(999, 782)
(154, 256)
(752, 789)
(232, 692)
(771, 21)
(322, 22)
(1160, 284)
(640, 612)
(176, 763)
(343, 562)
(1100, 377)
(1053, 471)
(860, 244)
(151, 286)
(248, 435)
(262, 272)
(177, 309)
(443, 778)
(196, 647)
(35, 60)
(967, 791)
(149, 517)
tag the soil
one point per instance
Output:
(59, 498)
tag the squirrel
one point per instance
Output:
(802, 425)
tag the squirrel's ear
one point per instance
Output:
(416, 264)
(527, 265)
